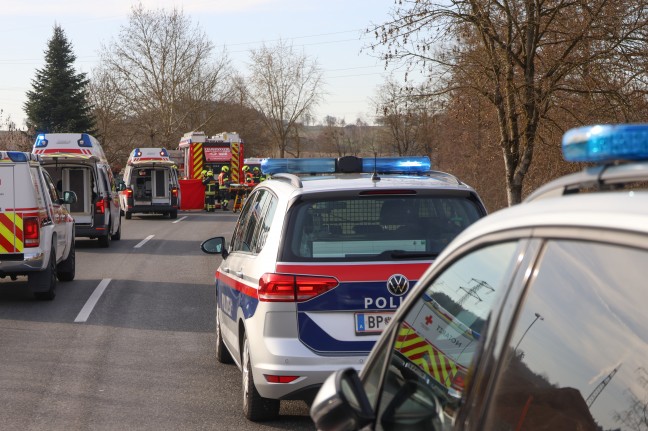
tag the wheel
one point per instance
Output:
(117, 235)
(43, 283)
(222, 354)
(255, 407)
(66, 269)
(129, 215)
(104, 241)
(173, 214)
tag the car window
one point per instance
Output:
(49, 186)
(376, 227)
(246, 235)
(269, 206)
(438, 338)
(577, 358)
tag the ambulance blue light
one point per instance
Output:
(17, 156)
(137, 152)
(163, 152)
(606, 143)
(85, 141)
(40, 141)
(298, 166)
(404, 165)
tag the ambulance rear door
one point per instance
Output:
(160, 189)
(9, 243)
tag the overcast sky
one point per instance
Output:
(328, 31)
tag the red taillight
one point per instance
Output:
(31, 231)
(174, 192)
(100, 206)
(128, 193)
(280, 379)
(293, 288)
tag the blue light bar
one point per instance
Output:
(85, 141)
(164, 153)
(324, 165)
(606, 143)
(40, 141)
(403, 165)
(17, 156)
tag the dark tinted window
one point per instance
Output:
(376, 227)
(254, 222)
(578, 357)
(437, 341)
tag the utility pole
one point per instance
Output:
(474, 290)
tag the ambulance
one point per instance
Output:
(150, 184)
(36, 230)
(77, 162)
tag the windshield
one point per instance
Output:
(380, 227)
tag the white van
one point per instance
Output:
(150, 184)
(36, 230)
(76, 162)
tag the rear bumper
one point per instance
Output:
(153, 208)
(32, 261)
(88, 231)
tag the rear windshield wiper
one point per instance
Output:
(411, 254)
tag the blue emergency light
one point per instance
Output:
(606, 143)
(348, 164)
(163, 152)
(85, 141)
(40, 141)
(137, 152)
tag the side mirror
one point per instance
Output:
(214, 245)
(341, 403)
(69, 197)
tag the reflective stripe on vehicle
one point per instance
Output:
(11, 232)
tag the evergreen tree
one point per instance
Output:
(59, 100)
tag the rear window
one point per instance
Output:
(377, 227)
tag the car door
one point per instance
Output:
(57, 214)
(424, 365)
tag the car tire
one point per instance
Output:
(255, 407)
(104, 241)
(129, 215)
(222, 354)
(43, 283)
(66, 269)
(173, 214)
(117, 235)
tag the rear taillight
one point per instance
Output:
(293, 288)
(100, 206)
(174, 192)
(31, 232)
(128, 193)
(280, 379)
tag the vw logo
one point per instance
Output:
(398, 284)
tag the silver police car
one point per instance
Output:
(321, 257)
(532, 319)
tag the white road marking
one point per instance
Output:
(180, 219)
(144, 241)
(92, 301)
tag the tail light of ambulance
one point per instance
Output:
(31, 232)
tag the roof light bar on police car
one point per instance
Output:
(330, 165)
(606, 143)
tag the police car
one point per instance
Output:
(321, 257)
(532, 318)
(36, 230)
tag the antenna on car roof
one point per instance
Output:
(374, 176)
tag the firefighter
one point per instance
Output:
(223, 187)
(210, 190)
(249, 178)
(256, 175)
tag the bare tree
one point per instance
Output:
(526, 58)
(284, 86)
(12, 138)
(163, 69)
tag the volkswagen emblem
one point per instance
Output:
(398, 284)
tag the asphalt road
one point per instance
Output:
(129, 344)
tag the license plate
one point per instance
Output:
(371, 323)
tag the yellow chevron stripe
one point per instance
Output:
(197, 160)
(9, 235)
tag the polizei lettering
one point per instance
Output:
(441, 330)
(382, 302)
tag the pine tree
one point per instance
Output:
(58, 102)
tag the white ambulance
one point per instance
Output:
(77, 162)
(150, 184)
(36, 230)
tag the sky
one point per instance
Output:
(329, 32)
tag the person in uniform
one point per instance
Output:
(249, 177)
(256, 175)
(210, 190)
(223, 187)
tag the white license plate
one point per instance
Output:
(371, 323)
